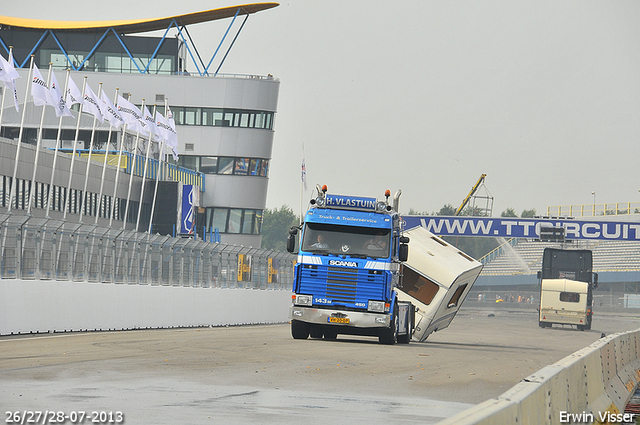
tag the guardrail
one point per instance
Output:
(46, 249)
(594, 210)
(592, 385)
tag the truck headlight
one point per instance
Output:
(303, 300)
(378, 306)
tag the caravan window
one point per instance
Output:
(455, 299)
(570, 297)
(418, 286)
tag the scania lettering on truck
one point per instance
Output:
(356, 273)
(566, 288)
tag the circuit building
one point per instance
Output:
(225, 123)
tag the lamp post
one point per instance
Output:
(594, 202)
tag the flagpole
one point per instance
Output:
(133, 165)
(38, 145)
(4, 94)
(144, 173)
(161, 170)
(155, 190)
(104, 169)
(15, 165)
(55, 153)
(83, 198)
(73, 157)
(115, 187)
(165, 169)
(303, 183)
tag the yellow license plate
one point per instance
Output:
(338, 320)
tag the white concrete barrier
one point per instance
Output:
(585, 387)
(57, 306)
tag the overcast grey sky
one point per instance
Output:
(425, 96)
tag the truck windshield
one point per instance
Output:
(354, 241)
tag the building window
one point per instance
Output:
(242, 166)
(208, 164)
(189, 116)
(233, 220)
(187, 161)
(218, 117)
(220, 219)
(257, 222)
(225, 165)
(247, 222)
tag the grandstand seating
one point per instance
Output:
(524, 256)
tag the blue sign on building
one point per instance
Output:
(187, 220)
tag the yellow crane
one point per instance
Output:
(473, 190)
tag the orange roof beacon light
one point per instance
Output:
(324, 188)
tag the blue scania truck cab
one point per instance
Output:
(350, 250)
(360, 273)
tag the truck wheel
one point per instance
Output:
(299, 330)
(315, 332)
(389, 336)
(330, 334)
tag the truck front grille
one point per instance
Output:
(342, 285)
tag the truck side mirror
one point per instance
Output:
(404, 239)
(291, 243)
(539, 275)
(595, 280)
(403, 252)
(291, 239)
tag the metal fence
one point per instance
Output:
(45, 249)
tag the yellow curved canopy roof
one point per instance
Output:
(135, 25)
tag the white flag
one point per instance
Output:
(304, 174)
(74, 95)
(168, 134)
(151, 123)
(62, 110)
(163, 126)
(91, 103)
(8, 72)
(110, 111)
(11, 87)
(39, 89)
(131, 115)
(173, 142)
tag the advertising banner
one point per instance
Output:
(525, 227)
